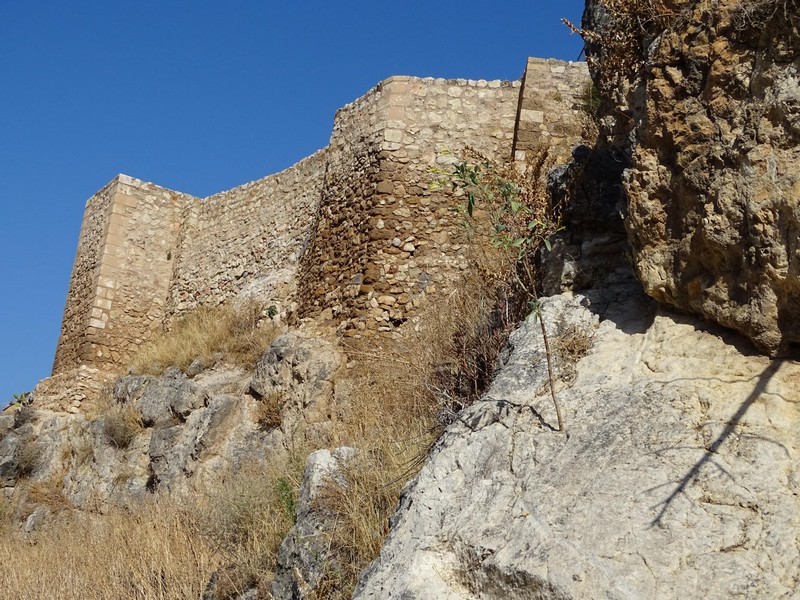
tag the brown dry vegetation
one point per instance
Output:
(240, 334)
(159, 549)
(121, 424)
(151, 552)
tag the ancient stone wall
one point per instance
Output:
(122, 274)
(83, 282)
(406, 245)
(553, 107)
(352, 235)
(248, 239)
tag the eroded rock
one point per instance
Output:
(678, 479)
(712, 124)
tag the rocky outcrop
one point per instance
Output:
(678, 477)
(703, 99)
(177, 433)
(306, 555)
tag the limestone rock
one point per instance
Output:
(305, 554)
(299, 368)
(679, 477)
(163, 399)
(712, 124)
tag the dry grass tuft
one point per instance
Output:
(49, 493)
(240, 334)
(30, 457)
(24, 415)
(121, 424)
(400, 396)
(268, 412)
(569, 347)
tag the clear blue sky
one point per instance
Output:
(199, 97)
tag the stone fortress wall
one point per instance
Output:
(352, 234)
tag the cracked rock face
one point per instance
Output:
(713, 126)
(679, 478)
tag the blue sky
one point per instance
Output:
(199, 97)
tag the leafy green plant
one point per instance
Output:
(286, 495)
(23, 399)
(522, 222)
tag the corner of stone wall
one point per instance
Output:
(122, 273)
(388, 242)
(551, 107)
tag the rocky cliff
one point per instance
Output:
(678, 478)
(702, 99)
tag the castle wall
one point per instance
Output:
(353, 235)
(71, 349)
(552, 109)
(122, 275)
(247, 240)
(338, 248)
(414, 237)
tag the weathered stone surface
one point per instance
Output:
(8, 459)
(679, 477)
(299, 368)
(160, 400)
(305, 554)
(713, 122)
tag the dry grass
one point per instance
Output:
(245, 519)
(400, 396)
(153, 552)
(121, 424)
(570, 346)
(268, 414)
(23, 416)
(240, 334)
(159, 549)
(30, 457)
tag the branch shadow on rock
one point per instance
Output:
(760, 388)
